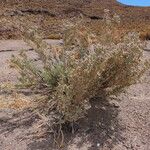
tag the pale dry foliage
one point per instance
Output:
(15, 101)
(11, 99)
(85, 66)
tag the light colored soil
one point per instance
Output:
(109, 125)
(13, 47)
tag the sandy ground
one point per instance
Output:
(13, 47)
(109, 125)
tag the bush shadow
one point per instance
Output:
(100, 127)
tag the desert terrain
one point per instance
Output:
(48, 16)
(117, 123)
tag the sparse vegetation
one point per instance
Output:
(76, 94)
(84, 67)
(52, 12)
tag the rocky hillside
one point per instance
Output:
(48, 15)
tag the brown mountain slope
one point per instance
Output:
(48, 15)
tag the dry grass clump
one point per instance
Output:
(11, 99)
(84, 67)
(15, 101)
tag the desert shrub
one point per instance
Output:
(85, 66)
(145, 35)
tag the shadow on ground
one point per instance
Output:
(100, 128)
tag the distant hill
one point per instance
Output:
(53, 11)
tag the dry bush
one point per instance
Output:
(84, 67)
(145, 35)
